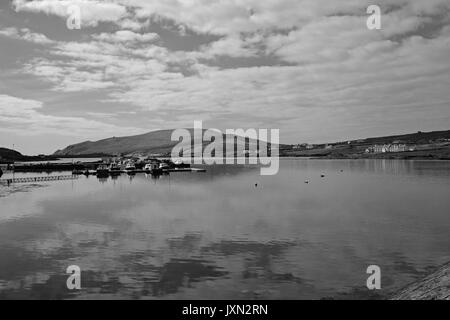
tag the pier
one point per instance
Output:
(51, 167)
(119, 172)
(37, 179)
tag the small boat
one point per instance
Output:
(152, 168)
(164, 166)
(130, 167)
(102, 171)
(114, 169)
(180, 164)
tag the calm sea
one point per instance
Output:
(228, 233)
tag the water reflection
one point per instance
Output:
(215, 235)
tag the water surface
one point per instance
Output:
(228, 233)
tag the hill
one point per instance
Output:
(431, 145)
(426, 145)
(152, 142)
(156, 142)
(412, 138)
(10, 155)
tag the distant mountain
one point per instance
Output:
(156, 142)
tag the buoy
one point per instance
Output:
(322, 175)
(256, 185)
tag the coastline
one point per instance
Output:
(435, 286)
(349, 153)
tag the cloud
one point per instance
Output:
(25, 117)
(133, 24)
(94, 65)
(126, 36)
(230, 46)
(92, 11)
(25, 34)
(66, 77)
(288, 63)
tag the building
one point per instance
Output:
(386, 148)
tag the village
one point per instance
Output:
(419, 145)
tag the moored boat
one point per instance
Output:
(152, 167)
(164, 166)
(180, 164)
(114, 169)
(130, 168)
(102, 171)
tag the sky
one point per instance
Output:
(310, 68)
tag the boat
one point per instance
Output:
(1, 172)
(164, 166)
(114, 169)
(130, 167)
(102, 171)
(152, 168)
(180, 164)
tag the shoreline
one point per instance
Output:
(435, 286)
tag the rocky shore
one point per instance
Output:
(436, 286)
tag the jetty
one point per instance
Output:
(37, 179)
(50, 167)
(118, 172)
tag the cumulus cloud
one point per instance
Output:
(126, 36)
(230, 46)
(133, 24)
(25, 34)
(92, 11)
